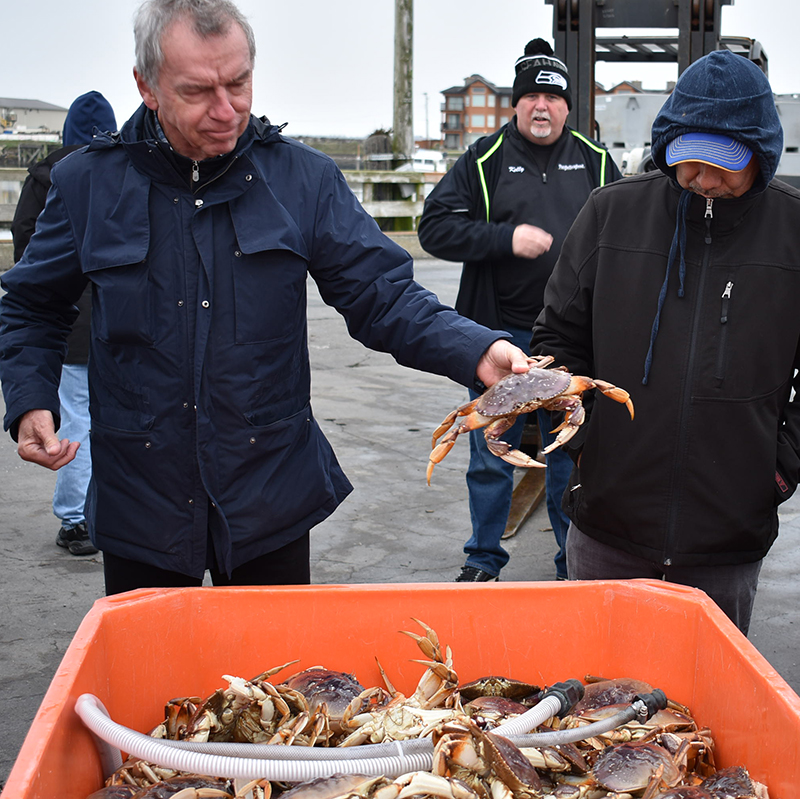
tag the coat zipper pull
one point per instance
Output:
(544, 177)
(726, 296)
(709, 215)
(195, 172)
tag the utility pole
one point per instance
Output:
(403, 128)
(427, 131)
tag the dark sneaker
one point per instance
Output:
(469, 574)
(76, 540)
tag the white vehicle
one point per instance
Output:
(425, 161)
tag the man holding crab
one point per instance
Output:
(196, 226)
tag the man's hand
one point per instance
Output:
(499, 360)
(530, 241)
(37, 441)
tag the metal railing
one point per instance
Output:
(391, 195)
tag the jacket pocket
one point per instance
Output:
(725, 309)
(284, 471)
(269, 295)
(123, 304)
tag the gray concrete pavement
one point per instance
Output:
(393, 528)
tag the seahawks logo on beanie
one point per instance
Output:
(540, 72)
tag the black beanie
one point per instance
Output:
(540, 72)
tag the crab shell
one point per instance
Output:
(520, 393)
(336, 688)
(630, 767)
(497, 686)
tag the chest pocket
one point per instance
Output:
(116, 263)
(270, 267)
(269, 295)
(123, 304)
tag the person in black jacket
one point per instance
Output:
(89, 112)
(685, 282)
(504, 209)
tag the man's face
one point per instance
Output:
(204, 90)
(711, 181)
(541, 117)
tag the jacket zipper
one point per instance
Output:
(723, 336)
(216, 177)
(685, 407)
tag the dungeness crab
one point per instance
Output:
(497, 410)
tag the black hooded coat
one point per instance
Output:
(690, 305)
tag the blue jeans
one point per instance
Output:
(72, 480)
(490, 482)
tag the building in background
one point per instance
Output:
(474, 110)
(30, 116)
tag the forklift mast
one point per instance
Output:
(575, 22)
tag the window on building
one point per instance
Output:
(492, 100)
(479, 101)
(466, 102)
(466, 120)
(455, 103)
(490, 121)
(479, 90)
(478, 121)
(451, 140)
(453, 121)
(503, 121)
(505, 101)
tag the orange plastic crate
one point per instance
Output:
(135, 651)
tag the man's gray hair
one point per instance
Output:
(208, 17)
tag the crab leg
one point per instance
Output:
(464, 410)
(573, 418)
(617, 394)
(502, 449)
(575, 414)
(472, 421)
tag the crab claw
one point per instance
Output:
(615, 393)
(573, 419)
(437, 455)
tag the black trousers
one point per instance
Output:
(289, 565)
(732, 587)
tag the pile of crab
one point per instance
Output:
(665, 755)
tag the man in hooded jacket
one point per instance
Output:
(196, 227)
(685, 282)
(88, 113)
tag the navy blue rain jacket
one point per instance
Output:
(199, 371)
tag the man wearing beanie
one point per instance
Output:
(504, 210)
(683, 285)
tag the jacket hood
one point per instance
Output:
(722, 93)
(87, 112)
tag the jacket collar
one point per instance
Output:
(147, 151)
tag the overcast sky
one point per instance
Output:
(326, 66)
